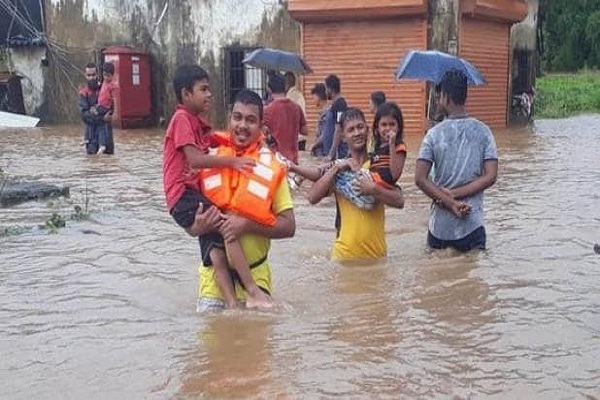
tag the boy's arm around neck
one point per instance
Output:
(198, 159)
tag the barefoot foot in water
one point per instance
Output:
(101, 150)
(231, 305)
(260, 301)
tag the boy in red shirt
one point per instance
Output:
(106, 97)
(187, 140)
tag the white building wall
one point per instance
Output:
(523, 35)
(27, 63)
(204, 26)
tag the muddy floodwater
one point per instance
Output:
(105, 307)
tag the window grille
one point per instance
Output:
(238, 76)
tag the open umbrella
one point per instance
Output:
(430, 65)
(278, 60)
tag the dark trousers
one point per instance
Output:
(99, 135)
(473, 241)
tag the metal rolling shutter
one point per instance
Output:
(364, 55)
(486, 45)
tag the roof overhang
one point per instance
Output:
(327, 10)
(508, 11)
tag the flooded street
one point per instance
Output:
(105, 308)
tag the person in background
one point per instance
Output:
(436, 112)
(98, 128)
(267, 99)
(387, 160)
(284, 119)
(106, 99)
(377, 99)
(319, 94)
(332, 140)
(108, 91)
(292, 92)
(464, 153)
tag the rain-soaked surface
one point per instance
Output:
(105, 308)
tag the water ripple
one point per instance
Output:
(111, 314)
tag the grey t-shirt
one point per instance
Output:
(457, 148)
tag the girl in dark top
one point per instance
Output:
(389, 155)
(386, 162)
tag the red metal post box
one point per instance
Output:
(133, 102)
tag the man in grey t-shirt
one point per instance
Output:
(464, 153)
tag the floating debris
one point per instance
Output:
(19, 192)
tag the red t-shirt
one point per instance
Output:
(285, 120)
(185, 128)
(106, 98)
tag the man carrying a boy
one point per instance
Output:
(98, 128)
(185, 155)
(245, 129)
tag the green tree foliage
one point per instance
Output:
(571, 30)
(592, 33)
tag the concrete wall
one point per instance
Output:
(27, 62)
(443, 35)
(525, 59)
(183, 31)
(443, 31)
(4, 59)
(524, 34)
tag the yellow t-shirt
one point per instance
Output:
(255, 248)
(361, 233)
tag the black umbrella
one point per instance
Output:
(278, 60)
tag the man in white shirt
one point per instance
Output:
(292, 92)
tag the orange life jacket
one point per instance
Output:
(249, 194)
